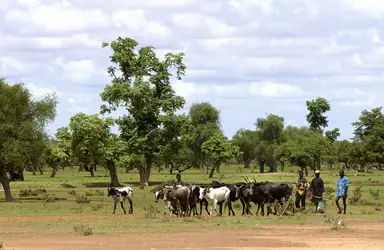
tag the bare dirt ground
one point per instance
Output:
(359, 235)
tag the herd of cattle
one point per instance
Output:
(183, 200)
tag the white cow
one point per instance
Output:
(214, 196)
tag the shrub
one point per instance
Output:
(72, 192)
(97, 207)
(151, 211)
(335, 224)
(30, 192)
(356, 198)
(83, 230)
(48, 197)
(99, 193)
(375, 194)
(81, 199)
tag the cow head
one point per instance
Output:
(244, 190)
(203, 192)
(158, 195)
(111, 191)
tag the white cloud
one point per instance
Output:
(246, 90)
(77, 71)
(62, 17)
(248, 58)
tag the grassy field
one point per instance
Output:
(75, 203)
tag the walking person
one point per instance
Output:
(301, 191)
(317, 189)
(342, 191)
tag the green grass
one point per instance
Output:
(60, 201)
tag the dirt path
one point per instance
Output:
(291, 237)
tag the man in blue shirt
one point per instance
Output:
(342, 191)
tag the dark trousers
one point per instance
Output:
(300, 198)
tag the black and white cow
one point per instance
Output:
(194, 197)
(233, 196)
(120, 195)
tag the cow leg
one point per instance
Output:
(130, 211)
(262, 208)
(220, 208)
(122, 206)
(206, 207)
(114, 208)
(243, 205)
(215, 207)
(230, 209)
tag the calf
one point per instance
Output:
(178, 197)
(120, 195)
(214, 196)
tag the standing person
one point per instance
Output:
(317, 189)
(342, 191)
(301, 191)
(179, 180)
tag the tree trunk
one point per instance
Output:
(282, 166)
(212, 171)
(215, 166)
(20, 171)
(41, 170)
(113, 174)
(145, 172)
(171, 168)
(5, 181)
(54, 172)
(261, 165)
(247, 163)
(91, 171)
(34, 170)
(305, 169)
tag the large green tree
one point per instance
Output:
(316, 110)
(205, 122)
(304, 150)
(369, 130)
(141, 85)
(22, 129)
(247, 141)
(218, 150)
(89, 135)
(269, 136)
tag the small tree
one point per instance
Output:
(316, 109)
(219, 150)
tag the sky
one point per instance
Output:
(249, 58)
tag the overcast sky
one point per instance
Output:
(248, 58)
